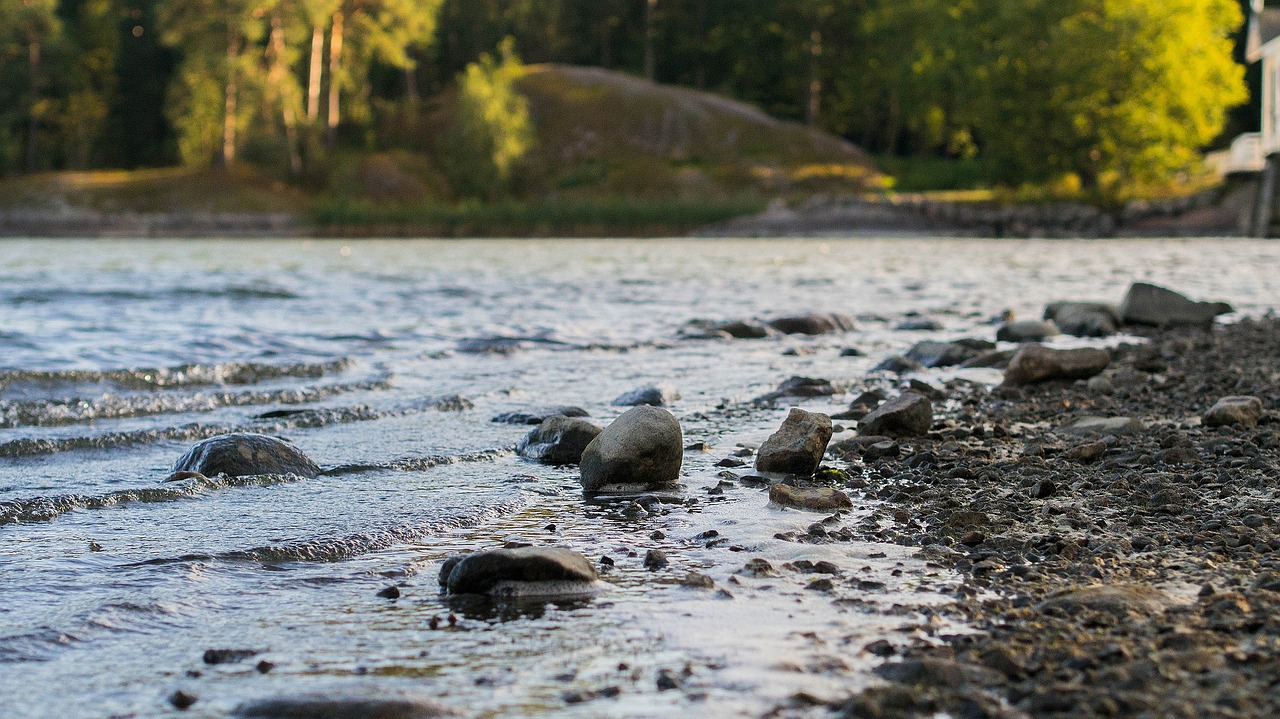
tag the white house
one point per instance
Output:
(1263, 43)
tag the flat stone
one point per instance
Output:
(243, 454)
(1110, 599)
(898, 364)
(1035, 363)
(538, 415)
(1116, 426)
(798, 445)
(1084, 319)
(644, 447)
(659, 395)
(919, 324)
(326, 707)
(947, 354)
(1147, 304)
(813, 324)
(818, 499)
(801, 387)
(1240, 411)
(1027, 331)
(745, 330)
(558, 440)
(908, 415)
(483, 572)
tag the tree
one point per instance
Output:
(492, 131)
(27, 27)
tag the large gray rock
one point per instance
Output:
(1228, 411)
(1027, 331)
(243, 454)
(907, 415)
(558, 440)
(947, 354)
(798, 445)
(1084, 319)
(655, 395)
(643, 447)
(327, 707)
(1035, 363)
(1147, 304)
(815, 324)
(499, 570)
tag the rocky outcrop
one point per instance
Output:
(1035, 363)
(517, 571)
(1084, 319)
(1147, 304)
(654, 395)
(642, 448)
(908, 415)
(814, 324)
(243, 454)
(1234, 411)
(798, 445)
(558, 440)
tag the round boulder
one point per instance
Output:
(558, 440)
(642, 448)
(524, 571)
(1228, 411)
(910, 414)
(243, 454)
(798, 445)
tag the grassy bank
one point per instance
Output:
(576, 218)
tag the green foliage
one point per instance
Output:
(492, 130)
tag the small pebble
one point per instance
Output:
(182, 700)
(392, 592)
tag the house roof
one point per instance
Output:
(1264, 27)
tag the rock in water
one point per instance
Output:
(947, 354)
(816, 324)
(558, 440)
(1242, 411)
(658, 395)
(1027, 331)
(798, 445)
(642, 448)
(515, 570)
(1035, 363)
(242, 454)
(1084, 319)
(908, 415)
(1115, 426)
(326, 707)
(745, 330)
(539, 415)
(1146, 304)
(800, 387)
(818, 499)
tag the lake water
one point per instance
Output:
(116, 356)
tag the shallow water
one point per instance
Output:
(116, 356)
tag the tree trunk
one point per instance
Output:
(335, 60)
(700, 71)
(650, 31)
(229, 111)
(317, 69)
(814, 102)
(276, 81)
(33, 79)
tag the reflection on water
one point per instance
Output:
(386, 364)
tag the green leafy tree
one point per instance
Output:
(27, 30)
(493, 130)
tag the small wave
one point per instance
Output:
(55, 413)
(37, 646)
(261, 291)
(420, 464)
(187, 375)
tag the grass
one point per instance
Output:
(577, 218)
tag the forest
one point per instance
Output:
(1104, 95)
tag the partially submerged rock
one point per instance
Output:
(801, 387)
(910, 414)
(243, 454)
(1116, 426)
(558, 440)
(1238, 411)
(328, 707)
(1035, 363)
(814, 324)
(642, 448)
(1084, 319)
(947, 354)
(528, 571)
(818, 499)
(898, 364)
(1027, 331)
(798, 445)
(1147, 304)
(538, 415)
(654, 395)
(745, 330)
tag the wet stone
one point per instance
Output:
(1027, 331)
(1084, 319)
(653, 395)
(558, 440)
(227, 656)
(643, 447)
(947, 354)
(813, 324)
(898, 364)
(801, 387)
(483, 572)
(907, 415)
(798, 445)
(182, 700)
(758, 568)
(1034, 363)
(243, 454)
(1147, 304)
(1234, 411)
(318, 707)
(1116, 426)
(655, 559)
(537, 416)
(820, 499)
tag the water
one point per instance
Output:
(116, 356)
